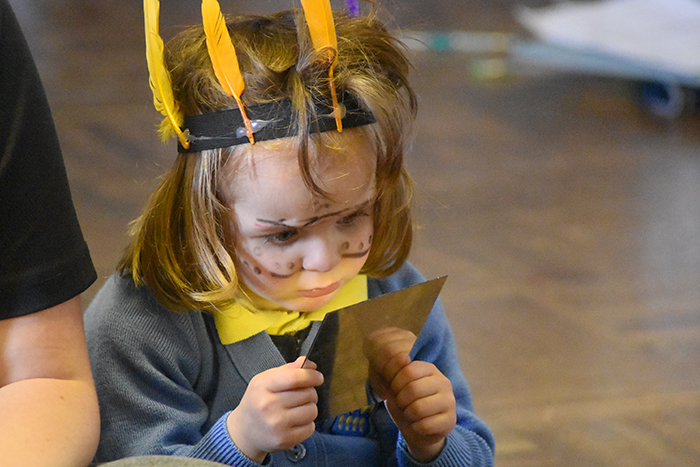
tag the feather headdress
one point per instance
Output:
(319, 17)
(159, 77)
(223, 57)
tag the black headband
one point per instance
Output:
(225, 128)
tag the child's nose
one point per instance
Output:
(321, 254)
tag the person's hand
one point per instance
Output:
(418, 396)
(277, 410)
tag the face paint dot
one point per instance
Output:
(362, 246)
(290, 266)
(257, 270)
(370, 239)
(257, 251)
(344, 246)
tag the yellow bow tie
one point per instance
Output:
(237, 322)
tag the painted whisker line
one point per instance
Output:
(356, 255)
(281, 276)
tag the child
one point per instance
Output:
(271, 217)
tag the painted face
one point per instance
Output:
(294, 249)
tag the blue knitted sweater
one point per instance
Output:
(166, 385)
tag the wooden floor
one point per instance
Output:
(567, 219)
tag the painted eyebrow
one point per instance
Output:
(313, 220)
(279, 223)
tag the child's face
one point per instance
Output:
(294, 249)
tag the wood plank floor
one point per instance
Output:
(567, 220)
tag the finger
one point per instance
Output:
(416, 371)
(414, 392)
(393, 367)
(297, 398)
(430, 429)
(292, 427)
(427, 407)
(424, 430)
(295, 435)
(303, 362)
(422, 390)
(381, 379)
(288, 378)
(300, 415)
(385, 342)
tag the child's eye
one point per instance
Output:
(284, 237)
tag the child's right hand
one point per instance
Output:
(277, 410)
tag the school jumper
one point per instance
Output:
(166, 385)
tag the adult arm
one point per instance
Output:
(47, 397)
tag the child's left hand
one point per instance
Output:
(418, 396)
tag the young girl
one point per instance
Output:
(285, 202)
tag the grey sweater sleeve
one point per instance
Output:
(147, 362)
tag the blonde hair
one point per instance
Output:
(179, 248)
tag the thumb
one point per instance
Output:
(303, 362)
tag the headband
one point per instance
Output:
(258, 122)
(274, 120)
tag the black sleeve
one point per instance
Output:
(44, 259)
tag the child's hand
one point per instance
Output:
(277, 410)
(419, 397)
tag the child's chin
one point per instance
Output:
(306, 304)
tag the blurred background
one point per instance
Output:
(563, 206)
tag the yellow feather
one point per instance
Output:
(319, 17)
(159, 78)
(223, 57)
(221, 50)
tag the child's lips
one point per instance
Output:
(319, 292)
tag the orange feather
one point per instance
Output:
(223, 57)
(319, 17)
